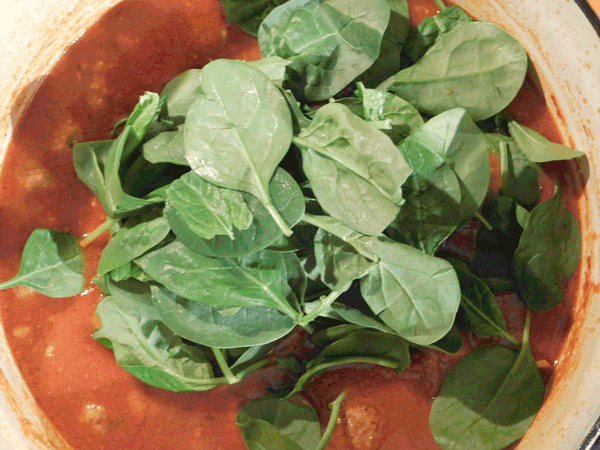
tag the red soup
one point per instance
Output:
(138, 46)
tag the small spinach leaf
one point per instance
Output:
(467, 69)
(181, 92)
(167, 147)
(537, 148)
(137, 236)
(208, 210)
(249, 14)
(328, 42)
(52, 264)
(429, 31)
(549, 252)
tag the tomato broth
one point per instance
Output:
(138, 46)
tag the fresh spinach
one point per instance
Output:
(354, 169)
(249, 14)
(537, 148)
(489, 400)
(466, 69)
(52, 264)
(238, 133)
(548, 254)
(328, 42)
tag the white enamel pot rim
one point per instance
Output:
(565, 50)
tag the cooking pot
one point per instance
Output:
(563, 41)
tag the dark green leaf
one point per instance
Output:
(52, 263)
(181, 92)
(549, 252)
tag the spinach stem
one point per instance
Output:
(278, 219)
(231, 378)
(504, 162)
(326, 302)
(527, 327)
(251, 368)
(335, 412)
(440, 4)
(313, 371)
(97, 233)
(505, 334)
(483, 220)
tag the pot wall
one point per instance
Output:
(565, 50)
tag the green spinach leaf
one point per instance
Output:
(328, 42)
(239, 132)
(181, 92)
(354, 169)
(52, 264)
(537, 148)
(209, 210)
(220, 326)
(477, 66)
(167, 147)
(548, 254)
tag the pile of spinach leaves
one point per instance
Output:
(241, 208)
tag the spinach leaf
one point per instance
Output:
(450, 344)
(137, 236)
(167, 147)
(549, 252)
(279, 424)
(431, 29)
(355, 171)
(328, 42)
(181, 92)
(415, 294)
(262, 232)
(338, 262)
(444, 191)
(52, 264)
(400, 117)
(537, 148)
(366, 343)
(482, 314)
(208, 210)
(259, 279)
(477, 66)
(489, 400)
(273, 67)
(148, 350)
(220, 326)
(520, 176)
(249, 14)
(390, 54)
(236, 136)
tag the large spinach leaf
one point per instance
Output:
(239, 132)
(262, 232)
(328, 42)
(354, 169)
(148, 350)
(549, 252)
(477, 66)
(220, 326)
(52, 263)
(208, 210)
(259, 279)
(489, 400)
(415, 294)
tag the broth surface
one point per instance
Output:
(139, 46)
